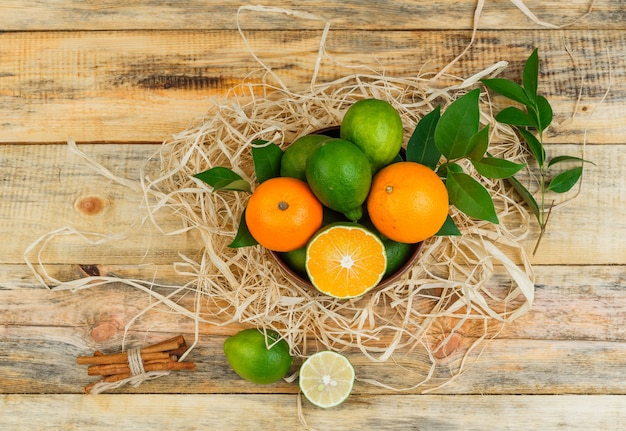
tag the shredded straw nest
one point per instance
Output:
(452, 280)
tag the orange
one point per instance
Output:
(283, 213)
(408, 202)
(345, 260)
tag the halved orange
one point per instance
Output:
(345, 260)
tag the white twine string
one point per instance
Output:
(134, 381)
(135, 363)
(138, 374)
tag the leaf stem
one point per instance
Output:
(542, 226)
(542, 174)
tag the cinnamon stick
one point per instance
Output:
(178, 352)
(174, 345)
(171, 344)
(119, 358)
(110, 369)
(162, 356)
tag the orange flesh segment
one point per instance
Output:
(346, 262)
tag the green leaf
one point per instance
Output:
(243, 238)
(530, 76)
(442, 170)
(535, 147)
(509, 89)
(561, 159)
(544, 112)
(526, 196)
(494, 167)
(457, 125)
(515, 117)
(266, 160)
(479, 143)
(449, 228)
(564, 181)
(421, 147)
(455, 167)
(222, 178)
(470, 197)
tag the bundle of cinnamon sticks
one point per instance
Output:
(115, 367)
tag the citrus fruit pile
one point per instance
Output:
(346, 209)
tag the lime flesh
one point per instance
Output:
(326, 379)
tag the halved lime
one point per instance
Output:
(326, 378)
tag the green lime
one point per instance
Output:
(376, 128)
(296, 260)
(248, 354)
(339, 174)
(397, 254)
(294, 158)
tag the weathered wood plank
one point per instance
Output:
(137, 72)
(45, 186)
(60, 193)
(567, 305)
(251, 412)
(572, 338)
(37, 15)
(40, 360)
(143, 86)
(571, 303)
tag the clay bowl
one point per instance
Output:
(333, 132)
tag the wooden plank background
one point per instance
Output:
(121, 78)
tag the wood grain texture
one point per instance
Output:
(111, 74)
(143, 86)
(199, 412)
(35, 15)
(597, 299)
(504, 367)
(46, 184)
(573, 337)
(64, 192)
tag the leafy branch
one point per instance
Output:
(530, 122)
(441, 141)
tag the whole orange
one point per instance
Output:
(283, 213)
(408, 202)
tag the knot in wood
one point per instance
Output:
(104, 331)
(90, 205)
